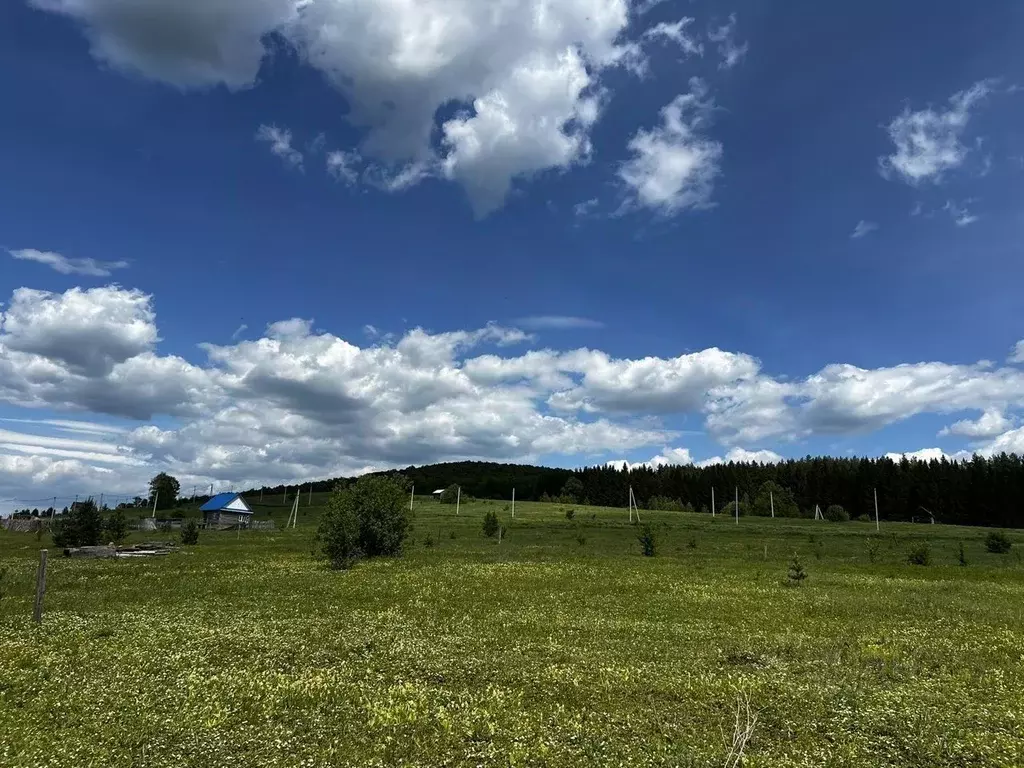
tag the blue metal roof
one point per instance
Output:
(218, 502)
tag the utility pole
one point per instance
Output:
(771, 500)
(877, 526)
(458, 499)
(513, 502)
(737, 505)
(412, 495)
(712, 501)
(310, 503)
(156, 498)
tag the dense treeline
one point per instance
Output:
(983, 491)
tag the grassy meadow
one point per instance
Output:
(560, 646)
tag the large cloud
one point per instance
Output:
(297, 404)
(525, 74)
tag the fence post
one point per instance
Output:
(37, 612)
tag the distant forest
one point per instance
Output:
(983, 491)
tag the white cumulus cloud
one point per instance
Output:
(672, 167)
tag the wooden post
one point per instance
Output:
(737, 505)
(712, 501)
(458, 499)
(412, 495)
(629, 501)
(877, 528)
(310, 502)
(37, 611)
(513, 502)
(771, 500)
(156, 498)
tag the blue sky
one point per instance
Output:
(679, 177)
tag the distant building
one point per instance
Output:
(226, 509)
(437, 494)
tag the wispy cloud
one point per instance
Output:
(863, 228)
(959, 213)
(928, 141)
(239, 331)
(558, 322)
(730, 51)
(584, 208)
(69, 266)
(280, 141)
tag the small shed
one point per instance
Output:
(226, 509)
(437, 494)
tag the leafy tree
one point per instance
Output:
(998, 542)
(836, 514)
(190, 533)
(164, 489)
(771, 493)
(82, 526)
(116, 527)
(369, 518)
(730, 508)
(572, 491)
(665, 504)
(450, 495)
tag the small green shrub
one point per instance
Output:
(116, 527)
(873, 547)
(692, 543)
(429, 541)
(836, 514)
(665, 504)
(962, 556)
(796, 574)
(998, 542)
(190, 533)
(648, 544)
(581, 539)
(80, 527)
(452, 535)
(491, 525)
(570, 514)
(864, 518)
(920, 555)
(369, 518)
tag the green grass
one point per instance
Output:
(540, 651)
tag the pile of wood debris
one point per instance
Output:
(146, 549)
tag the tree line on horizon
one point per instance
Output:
(982, 491)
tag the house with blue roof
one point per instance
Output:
(226, 509)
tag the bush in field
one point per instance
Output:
(920, 555)
(450, 495)
(962, 559)
(771, 492)
(998, 542)
(190, 533)
(3, 576)
(796, 574)
(369, 518)
(82, 526)
(572, 491)
(570, 514)
(865, 518)
(648, 544)
(117, 527)
(730, 509)
(666, 504)
(836, 514)
(491, 524)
